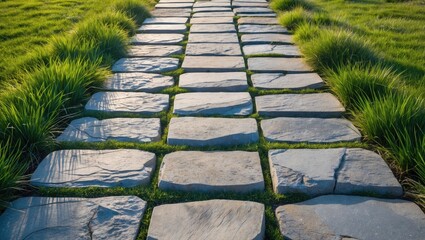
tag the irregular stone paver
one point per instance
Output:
(90, 129)
(266, 38)
(351, 217)
(273, 64)
(212, 9)
(73, 218)
(99, 168)
(128, 102)
(249, 4)
(154, 50)
(176, 12)
(208, 220)
(209, 104)
(258, 20)
(216, 28)
(208, 4)
(259, 28)
(287, 50)
(213, 38)
(157, 39)
(252, 10)
(287, 81)
(311, 130)
(146, 64)
(163, 28)
(196, 131)
(213, 49)
(214, 82)
(213, 64)
(135, 82)
(213, 14)
(174, 5)
(235, 171)
(257, 15)
(165, 20)
(211, 20)
(323, 105)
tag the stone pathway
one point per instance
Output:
(233, 46)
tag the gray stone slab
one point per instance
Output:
(216, 28)
(235, 171)
(209, 4)
(319, 105)
(176, 12)
(277, 64)
(260, 28)
(146, 64)
(212, 20)
(213, 49)
(213, 14)
(210, 104)
(285, 50)
(197, 131)
(95, 168)
(249, 4)
(165, 20)
(287, 81)
(213, 38)
(311, 130)
(90, 129)
(214, 82)
(258, 20)
(213, 64)
(174, 5)
(208, 220)
(163, 28)
(252, 10)
(128, 102)
(72, 218)
(154, 50)
(257, 15)
(138, 82)
(266, 38)
(176, 1)
(157, 39)
(351, 217)
(212, 9)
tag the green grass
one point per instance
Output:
(287, 5)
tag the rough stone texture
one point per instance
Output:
(88, 168)
(257, 15)
(213, 38)
(72, 218)
(154, 50)
(134, 82)
(174, 5)
(214, 82)
(210, 104)
(128, 102)
(252, 10)
(323, 105)
(208, 220)
(287, 50)
(89, 129)
(258, 20)
(350, 217)
(216, 28)
(266, 38)
(157, 39)
(208, 4)
(249, 4)
(311, 130)
(287, 81)
(165, 20)
(146, 64)
(163, 28)
(213, 14)
(196, 131)
(259, 28)
(213, 49)
(212, 9)
(270, 64)
(234, 171)
(176, 12)
(211, 20)
(213, 64)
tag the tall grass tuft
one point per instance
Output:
(133, 9)
(65, 48)
(116, 18)
(294, 18)
(287, 5)
(306, 32)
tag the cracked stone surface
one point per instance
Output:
(146, 64)
(266, 38)
(134, 82)
(90, 129)
(216, 28)
(157, 39)
(311, 130)
(165, 20)
(213, 49)
(213, 14)
(270, 64)
(95, 168)
(210, 104)
(287, 50)
(163, 28)
(235, 171)
(321, 105)
(197, 131)
(212, 9)
(73, 218)
(208, 220)
(252, 10)
(212, 20)
(351, 217)
(154, 50)
(214, 82)
(174, 5)
(213, 38)
(259, 28)
(258, 20)
(213, 64)
(128, 102)
(176, 12)
(287, 81)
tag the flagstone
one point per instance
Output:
(214, 82)
(213, 38)
(213, 49)
(266, 38)
(146, 64)
(286, 50)
(163, 28)
(154, 50)
(138, 82)
(157, 39)
(213, 64)
(278, 64)
(287, 81)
